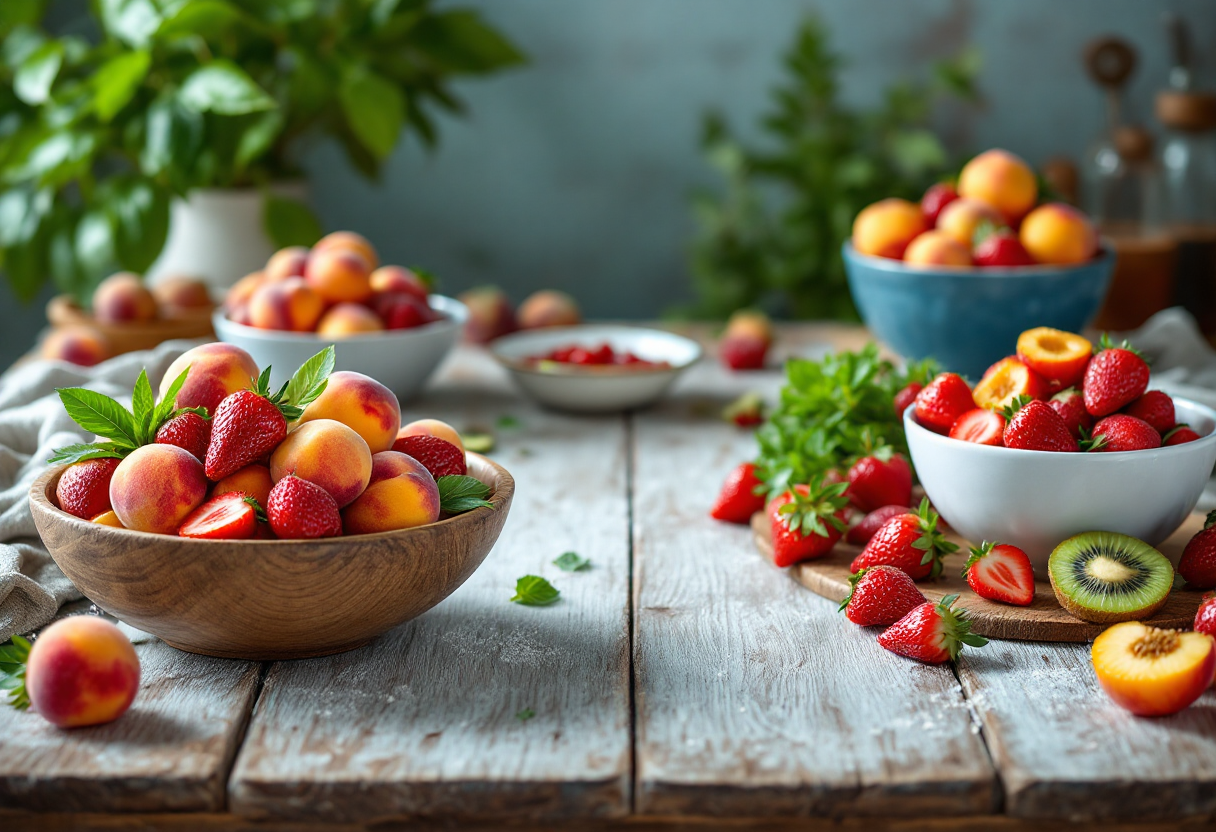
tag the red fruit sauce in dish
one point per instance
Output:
(597, 357)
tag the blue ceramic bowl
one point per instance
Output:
(968, 318)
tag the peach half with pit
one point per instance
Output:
(401, 494)
(362, 404)
(326, 453)
(82, 671)
(156, 486)
(1152, 671)
(217, 370)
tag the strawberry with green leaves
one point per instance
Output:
(806, 523)
(188, 430)
(1034, 425)
(1000, 572)
(946, 398)
(911, 542)
(1115, 377)
(931, 633)
(1179, 435)
(880, 595)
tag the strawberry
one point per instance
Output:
(1205, 617)
(1179, 435)
(299, 510)
(1124, 433)
(746, 411)
(742, 496)
(935, 199)
(1153, 407)
(743, 352)
(84, 487)
(230, 516)
(1035, 426)
(981, 426)
(1070, 404)
(940, 404)
(911, 542)
(806, 523)
(906, 397)
(933, 633)
(1198, 563)
(189, 430)
(1115, 377)
(1001, 248)
(880, 595)
(882, 479)
(438, 456)
(860, 534)
(402, 310)
(1000, 572)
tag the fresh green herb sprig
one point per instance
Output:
(13, 659)
(458, 494)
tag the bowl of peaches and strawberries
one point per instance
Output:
(1061, 438)
(235, 519)
(958, 275)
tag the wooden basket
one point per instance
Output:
(62, 311)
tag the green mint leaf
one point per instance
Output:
(309, 381)
(143, 402)
(525, 714)
(534, 591)
(96, 450)
(572, 562)
(458, 494)
(13, 660)
(165, 408)
(100, 415)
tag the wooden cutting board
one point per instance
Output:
(1043, 620)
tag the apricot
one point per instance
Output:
(1007, 379)
(490, 314)
(290, 305)
(432, 427)
(253, 480)
(349, 241)
(885, 228)
(338, 275)
(548, 308)
(83, 489)
(398, 279)
(961, 218)
(216, 371)
(937, 248)
(1002, 180)
(286, 262)
(1058, 234)
(154, 488)
(345, 319)
(326, 453)
(181, 293)
(82, 671)
(240, 292)
(362, 404)
(108, 518)
(82, 345)
(400, 494)
(123, 298)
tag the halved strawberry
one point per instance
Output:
(1115, 378)
(882, 479)
(1058, 356)
(1179, 435)
(1007, 379)
(940, 404)
(1000, 572)
(933, 633)
(806, 523)
(231, 516)
(742, 496)
(981, 426)
(1154, 407)
(880, 595)
(868, 526)
(911, 542)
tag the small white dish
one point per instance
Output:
(1037, 499)
(401, 359)
(603, 389)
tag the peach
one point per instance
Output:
(362, 404)
(1059, 234)
(490, 314)
(108, 518)
(240, 315)
(154, 488)
(326, 453)
(338, 275)
(240, 292)
(885, 228)
(82, 671)
(548, 308)
(286, 262)
(1002, 180)
(401, 494)
(344, 319)
(253, 480)
(750, 323)
(349, 241)
(288, 304)
(216, 371)
(937, 248)
(81, 345)
(398, 279)
(181, 293)
(961, 218)
(122, 298)
(1151, 671)
(432, 427)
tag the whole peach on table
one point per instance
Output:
(83, 489)
(344, 319)
(490, 314)
(961, 218)
(286, 262)
(398, 279)
(82, 671)
(432, 427)
(1002, 180)
(326, 453)
(1059, 234)
(338, 274)
(253, 480)
(349, 241)
(401, 494)
(216, 371)
(123, 298)
(885, 228)
(240, 292)
(181, 293)
(290, 305)
(937, 248)
(548, 308)
(362, 404)
(81, 345)
(156, 486)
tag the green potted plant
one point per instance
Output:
(179, 124)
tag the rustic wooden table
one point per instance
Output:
(682, 682)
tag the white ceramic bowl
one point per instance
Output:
(401, 359)
(598, 390)
(1036, 499)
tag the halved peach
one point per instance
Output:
(1006, 380)
(1060, 357)
(1151, 671)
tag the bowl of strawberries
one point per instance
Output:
(1061, 438)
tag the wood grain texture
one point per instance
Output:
(424, 720)
(170, 752)
(755, 698)
(1043, 620)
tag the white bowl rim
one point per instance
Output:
(602, 371)
(887, 264)
(454, 313)
(911, 424)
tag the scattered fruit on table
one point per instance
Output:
(1179, 435)
(232, 515)
(981, 426)
(1105, 577)
(746, 340)
(1059, 357)
(860, 533)
(880, 479)
(1070, 404)
(84, 488)
(1205, 616)
(1197, 565)
(82, 345)
(1007, 379)
(594, 358)
(1115, 377)
(880, 595)
(1152, 671)
(940, 404)
(931, 633)
(911, 542)
(806, 523)
(1000, 572)
(742, 495)
(747, 411)
(1036, 426)
(1120, 432)
(548, 307)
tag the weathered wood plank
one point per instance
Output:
(754, 697)
(424, 720)
(1064, 750)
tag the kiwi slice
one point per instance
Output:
(1106, 577)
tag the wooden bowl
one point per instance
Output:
(271, 599)
(62, 311)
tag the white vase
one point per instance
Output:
(217, 234)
